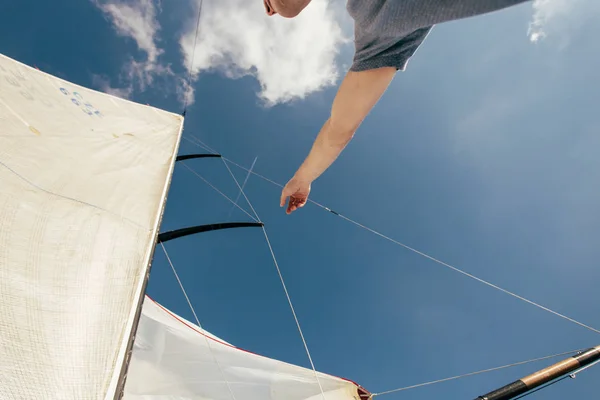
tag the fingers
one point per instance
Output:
(283, 198)
(285, 193)
(295, 203)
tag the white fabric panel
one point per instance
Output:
(83, 177)
(174, 359)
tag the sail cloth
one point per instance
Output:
(83, 178)
(174, 359)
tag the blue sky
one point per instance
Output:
(484, 154)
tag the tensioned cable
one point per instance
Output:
(243, 185)
(287, 295)
(197, 144)
(180, 284)
(473, 373)
(221, 193)
(257, 219)
(189, 80)
(196, 317)
(424, 254)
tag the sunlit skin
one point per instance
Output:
(356, 96)
(268, 8)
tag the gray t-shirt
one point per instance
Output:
(388, 32)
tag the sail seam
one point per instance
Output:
(72, 198)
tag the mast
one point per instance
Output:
(120, 388)
(546, 375)
(160, 238)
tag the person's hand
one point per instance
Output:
(297, 190)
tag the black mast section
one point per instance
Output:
(190, 156)
(544, 376)
(170, 235)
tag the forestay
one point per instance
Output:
(175, 359)
(83, 178)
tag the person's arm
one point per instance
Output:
(357, 95)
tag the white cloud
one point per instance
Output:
(136, 19)
(290, 58)
(560, 17)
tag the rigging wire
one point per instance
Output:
(243, 185)
(421, 253)
(221, 193)
(198, 144)
(305, 343)
(250, 171)
(473, 373)
(287, 295)
(189, 79)
(180, 284)
(196, 318)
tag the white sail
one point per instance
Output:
(83, 181)
(83, 178)
(174, 359)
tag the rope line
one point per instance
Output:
(197, 144)
(426, 255)
(474, 373)
(180, 284)
(221, 193)
(243, 186)
(196, 317)
(235, 203)
(189, 80)
(472, 276)
(287, 295)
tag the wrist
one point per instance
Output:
(303, 175)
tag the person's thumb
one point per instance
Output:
(284, 195)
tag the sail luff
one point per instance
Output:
(83, 176)
(117, 386)
(544, 376)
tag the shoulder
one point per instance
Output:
(376, 51)
(385, 35)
